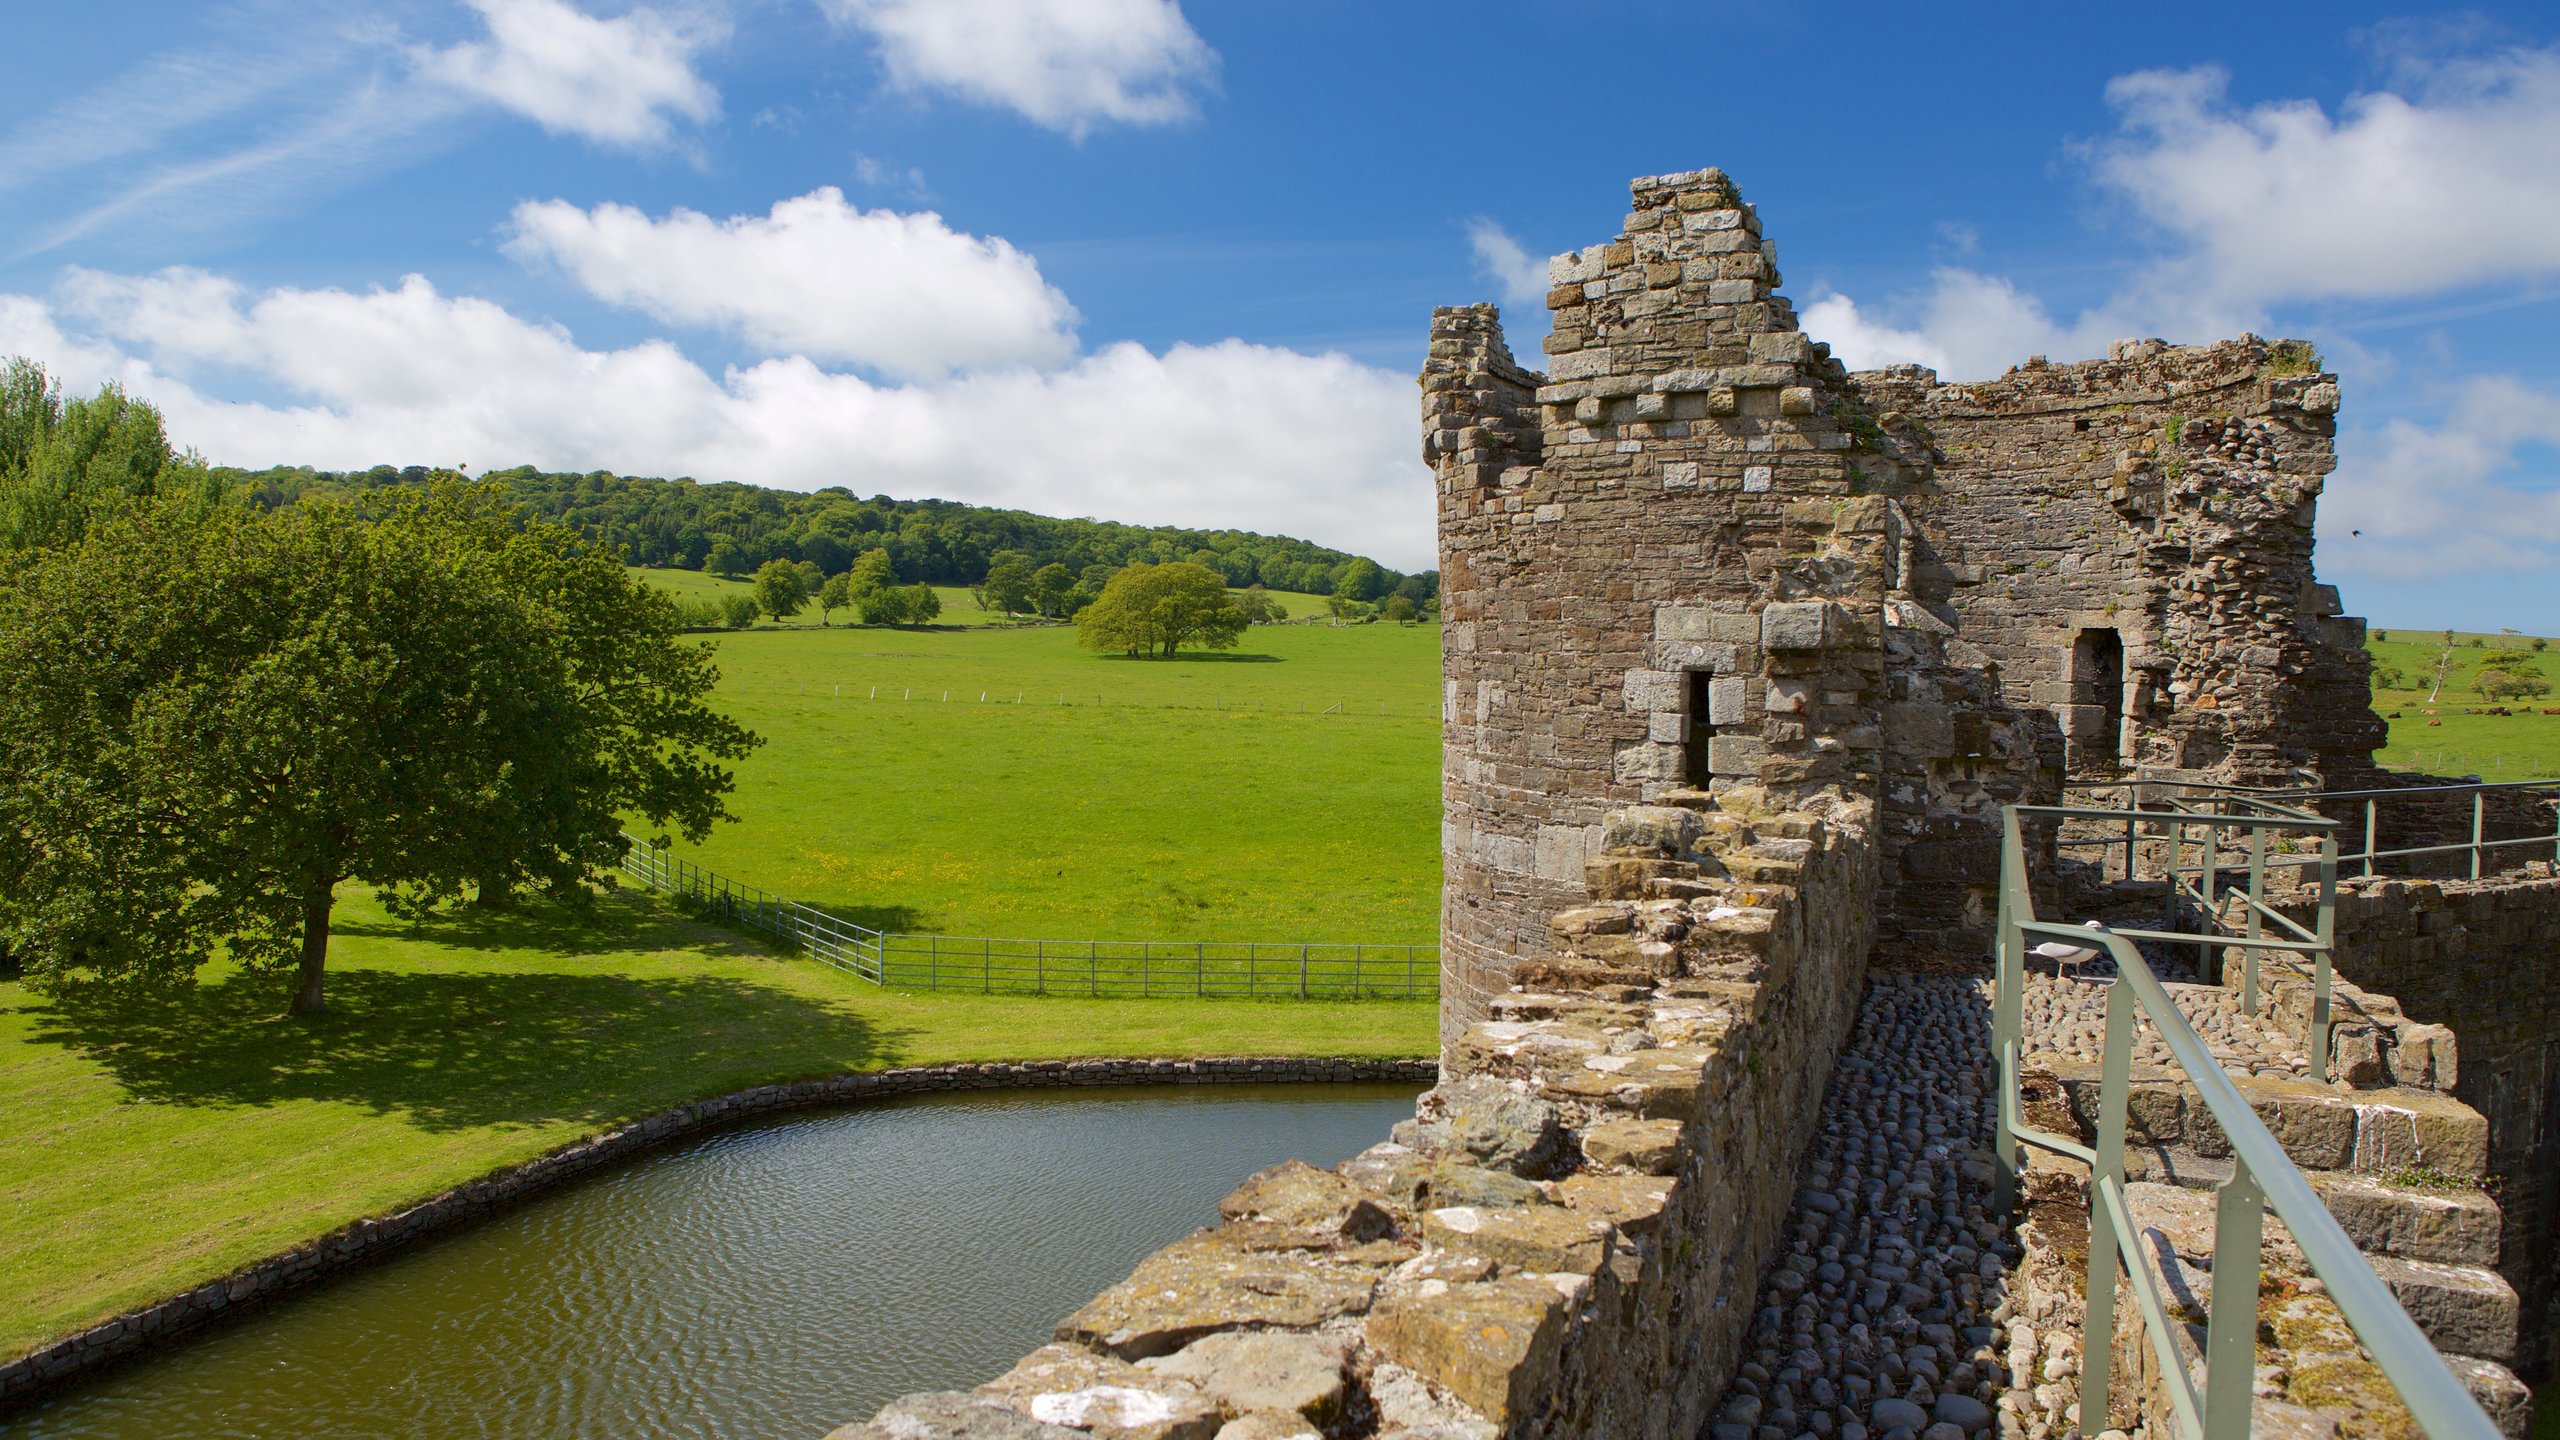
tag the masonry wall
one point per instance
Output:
(2163, 499)
(2483, 958)
(1565, 1240)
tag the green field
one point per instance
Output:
(1005, 782)
(2521, 746)
(148, 1146)
(958, 608)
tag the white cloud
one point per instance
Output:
(904, 295)
(1229, 434)
(2394, 196)
(625, 80)
(2428, 499)
(2399, 195)
(1068, 65)
(1518, 276)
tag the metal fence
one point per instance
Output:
(2215, 1404)
(1104, 969)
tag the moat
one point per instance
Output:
(776, 1279)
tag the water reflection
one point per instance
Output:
(776, 1280)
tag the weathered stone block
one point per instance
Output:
(1796, 625)
(1649, 690)
(1736, 755)
(1725, 700)
(1493, 1346)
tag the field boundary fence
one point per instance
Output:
(1098, 969)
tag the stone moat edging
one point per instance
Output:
(46, 1370)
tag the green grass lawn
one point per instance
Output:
(149, 1145)
(1005, 782)
(958, 608)
(2521, 746)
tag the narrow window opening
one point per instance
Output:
(2097, 698)
(1701, 726)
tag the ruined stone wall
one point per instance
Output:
(2159, 501)
(1565, 1240)
(2483, 958)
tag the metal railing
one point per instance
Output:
(1104, 969)
(856, 949)
(2139, 792)
(2215, 1405)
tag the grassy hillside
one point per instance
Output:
(957, 606)
(2439, 738)
(149, 1146)
(1003, 781)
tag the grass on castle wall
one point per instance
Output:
(147, 1146)
(2520, 746)
(1003, 781)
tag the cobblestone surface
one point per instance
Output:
(1884, 1318)
(2066, 1018)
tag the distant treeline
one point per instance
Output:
(732, 529)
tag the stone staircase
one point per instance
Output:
(2399, 1162)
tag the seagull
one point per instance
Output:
(2073, 956)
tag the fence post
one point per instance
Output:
(2132, 803)
(2327, 931)
(1199, 968)
(2257, 896)
(2231, 1327)
(2211, 896)
(1302, 972)
(2479, 810)
(2369, 845)
(2097, 1343)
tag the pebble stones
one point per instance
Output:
(1876, 1319)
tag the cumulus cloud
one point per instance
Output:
(2396, 195)
(904, 295)
(2432, 500)
(1221, 435)
(2443, 187)
(624, 80)
(1068, 65)
(1519, 277)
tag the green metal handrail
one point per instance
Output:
(2263, 1177)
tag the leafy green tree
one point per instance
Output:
(727, 558)
(65, 463)
(834, 595)
(1053, 589)
(208, 723)
(1158, 609)
(1008, 584)
(2387, 677)
(1401, 609)
(811, 576)
(873, 571)
(780, 589)
(2505, 684)
(739, 612)
(2541, 643)
(1257, 606)
(922, 604)
(704, 614)
(1363, 580)
(899, 605)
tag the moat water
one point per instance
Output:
(777, 1279)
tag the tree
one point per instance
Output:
(835, 595)
(1008, 584)
(726, 557)
(1158, 609)
(780, 589)
(1053, 589)
(1362, 579)
(739, 612)
(63, 464)
(2540, 643)
(2444, 667)
(1258, 608)
(2387, 677)
(2504, 684)
(207, 724)
(899, 605)
(873, 571)
(811, 577)
(1400, 608)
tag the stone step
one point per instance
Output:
(2509, 1403)
(2450, 1227)
(2465, 1309)
(2374, 1132)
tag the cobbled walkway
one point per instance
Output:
(1885, 1316)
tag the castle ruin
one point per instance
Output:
(1700, 553)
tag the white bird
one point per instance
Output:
(2063, 954)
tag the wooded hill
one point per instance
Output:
(731, 529)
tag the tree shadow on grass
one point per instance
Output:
(1187, 657)
(449, 1050)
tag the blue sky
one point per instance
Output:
(1174, 263)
